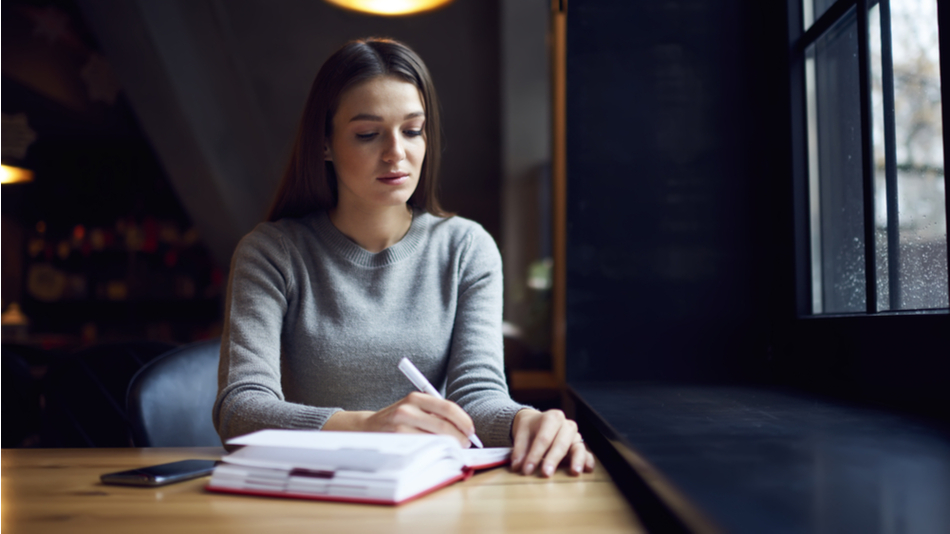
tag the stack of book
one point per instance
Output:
(365, 467)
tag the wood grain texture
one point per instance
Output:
(58, 490)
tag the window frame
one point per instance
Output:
(799, 41)
(897, 359)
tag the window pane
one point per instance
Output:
(920, 169)
(920, 255)
(837, 115)
(813, 10)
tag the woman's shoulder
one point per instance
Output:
(456, 228)
(273, 236)
(463, 236)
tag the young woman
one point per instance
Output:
(358, 267)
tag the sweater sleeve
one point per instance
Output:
(475, 377)
(260, 289)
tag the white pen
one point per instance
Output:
(419, 380)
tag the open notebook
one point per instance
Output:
(367, 467)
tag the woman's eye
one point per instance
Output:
(413, 133)
(365, 136)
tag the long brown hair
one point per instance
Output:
(309, 183)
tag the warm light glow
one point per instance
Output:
(390, 7)
(12, 175)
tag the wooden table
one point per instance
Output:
(58, 490)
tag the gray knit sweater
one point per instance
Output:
(315, 324)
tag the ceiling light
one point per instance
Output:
(12, 175)
(390, 7)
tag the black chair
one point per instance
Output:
(170, 400)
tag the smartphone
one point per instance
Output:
(159, 475)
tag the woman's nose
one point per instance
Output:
(394, 150)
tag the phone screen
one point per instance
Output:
(157, 475)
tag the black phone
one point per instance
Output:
(159, 475)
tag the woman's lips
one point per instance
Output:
(394, 178)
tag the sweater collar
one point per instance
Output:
(354, 253)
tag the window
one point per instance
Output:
(872, 138)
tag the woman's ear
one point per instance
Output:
(326, 153)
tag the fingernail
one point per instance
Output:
(577, 469)
(548, 470)
(515, 462)
(528, 469)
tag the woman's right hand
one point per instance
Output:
(415, 413)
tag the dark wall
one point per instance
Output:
(677, 159)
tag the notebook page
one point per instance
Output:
(487, 457)
(384, 443)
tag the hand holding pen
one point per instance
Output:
(415, 413)
(422, 384)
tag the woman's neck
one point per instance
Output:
(374, 230)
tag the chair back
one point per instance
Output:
(169, 401)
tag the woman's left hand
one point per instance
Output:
(545, 439)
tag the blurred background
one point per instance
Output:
(151, 137)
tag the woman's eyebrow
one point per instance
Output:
(377, 118)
